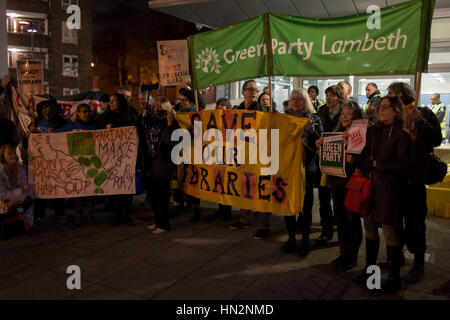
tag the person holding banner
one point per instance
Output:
(348, 223)
(425, 131)
(250, 93)
(224, 210)
(264, 101)
(300, 106)
(386, 156)
(156, 129)
(49, 119)
(329, 115)
(84, 121)
(118, 114)
(187, 99)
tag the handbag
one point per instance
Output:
(436, 169)
(359, 191)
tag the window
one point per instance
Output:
(24, 25)
(66, 3)
(68, 36)
(70, 66)
(70, 92)
(25, 53)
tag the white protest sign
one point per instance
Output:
(357, 136)
(173, 62)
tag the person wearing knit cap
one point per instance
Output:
(187, 105)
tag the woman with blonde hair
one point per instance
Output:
(300, 106)
(156, 128)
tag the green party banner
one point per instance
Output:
(315, 47)
(332, 154)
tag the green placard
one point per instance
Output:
(332, 154)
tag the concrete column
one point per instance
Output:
(3, 40)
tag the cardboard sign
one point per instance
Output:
(173, 62)
(83, 163)
(357, 136)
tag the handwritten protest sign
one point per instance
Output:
(245, 184)
(30, 77)
(83, 163)
(332, 154)
(357, 136)
(173, 62)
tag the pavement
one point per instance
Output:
(203, 261)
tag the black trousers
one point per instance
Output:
(122, 204)
(40, 204)
(304, 218)
(415, 206)
(326, 214)
(160, 201)
(348, 225)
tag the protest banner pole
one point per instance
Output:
(419, 83)
(270, 93)
(196, 100)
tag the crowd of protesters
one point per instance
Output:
(399, 135)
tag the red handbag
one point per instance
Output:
(359, 191)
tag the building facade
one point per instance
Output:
(38, 28)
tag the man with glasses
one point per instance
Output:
(250, 92)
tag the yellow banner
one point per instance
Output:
(248, 159)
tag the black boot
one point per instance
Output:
(372, 247)
(291, 245)
(394, 282)
(304, 247)
(417, 272)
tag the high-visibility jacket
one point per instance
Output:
(441, 113)
(376, 95)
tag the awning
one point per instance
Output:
(220, 13)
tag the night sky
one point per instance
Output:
(104, 5)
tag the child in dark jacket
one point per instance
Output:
(48, 120)
(83, 121)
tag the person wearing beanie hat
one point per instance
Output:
(187, 105)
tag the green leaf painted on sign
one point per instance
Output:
(84, 161)
(96, 162)
(100, 178)
(92, 173)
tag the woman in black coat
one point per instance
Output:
(391, 142)
(348, 223)
(119, 114)
(156, 129)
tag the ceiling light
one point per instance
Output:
(12, 14)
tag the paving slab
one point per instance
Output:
(144, 279)
(196, 287)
